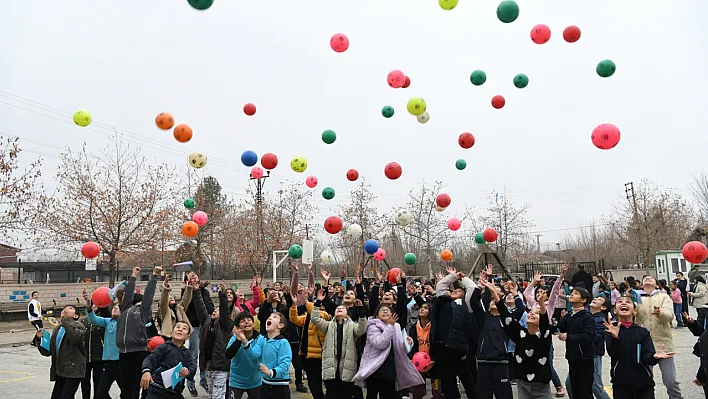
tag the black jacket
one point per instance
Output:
(581, 276)
(70, 362)
(599, 337)
(93, 339)
(580, 330)
(492, 342)
(452, 325)
(632, 357)
(214, 352)
(163, 358)
(132, 335)
(292, 332)
(191, 310)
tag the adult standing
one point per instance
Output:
(34, 315)
(682, 285)
(700, 299)
(581, 276)
(656, 313)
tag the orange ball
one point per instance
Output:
(183, 133)
(164, 121)
(190, 229)
(446, 255)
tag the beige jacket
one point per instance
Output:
(659, 325)
(348, 360)
(167, 316)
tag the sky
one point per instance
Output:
(127, 61)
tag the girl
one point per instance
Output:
(169, 311)
(614, 294)
(676, 299)
(420, 335)
(385, 368)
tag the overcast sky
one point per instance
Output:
(127, 61)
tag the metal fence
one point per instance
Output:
(545, 268)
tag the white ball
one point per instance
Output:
(326, 257)
(439, 208)
(402, 217)
(197, 160)
(354, 231)
(423, 118)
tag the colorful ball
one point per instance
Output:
(490, 234)
(90, 250)
(479, 238)
(695, 252)
(333, 224)
(392, 274)
(478, 77)
(387, 111)
(498, 102)
(249, 109)
(200, 218)
(466, 140)
(460, 164)
(439, 208)
(329, 136)
(443, 200)
(339, 42)
(352, 175)
(410, 258)
(508, 11)
(354, 231)
(311, 181)
(298, 164)
(447, 4)
(326, 256)
(540, 34)
(606, 68)
(454, 224)
(249, 158)
(446, 255)
(328, 193)
(380, 254)
(416, 106)
(403, 217)
(256, 172)
(82, 118)
(396, 79)
(189, 203)
(371, 246)
(200, 5)
(521, 81)
(423, 118)
(269, 161)
(154, 342)
(101, 297)
(295, 251)
(571, 34)
(190, 229)
(197, 160)
(406, 83)
(164, 121)
(182, 133)
(393, 170)
(605, 136)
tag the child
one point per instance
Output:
(632, 353)
(598, 309)
(244, 350)
(275, 359)
(420, 335)
(678, 302)
(68, 352)
(169, 311)
(34, 315)
(165, 357)
(577, 329)
(111, 372)
(311, 342)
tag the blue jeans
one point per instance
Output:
(194, 352)
(597, 387)
(677, 313)
(554, 376)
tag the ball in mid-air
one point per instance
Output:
(508, 11)
(298, 164)
(82, 118)
(478, 77)
(423, 118)
(329, 136)
(387, 111)
(164, 121)
(182, 133)
(328, 193)
(403, 217)
(197, 160)
(416, 106)
(606, 68)
(521, 81)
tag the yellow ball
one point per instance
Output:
(82, 118)
(447, 4)
(197, 160)
(416, 106)
(298, 164)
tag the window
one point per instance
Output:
(674, 265)
(684, 267)
(661, 266)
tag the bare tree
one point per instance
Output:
(699, 189)
(512, 224)
(18, 188)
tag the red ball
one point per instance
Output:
(605, 136)
(443, 200)
(154, 342)
(392, 275)
(393, 170)
(571, 34)
(406, 83)
(249, 109)
(540, 34)
(695, 252)
(490, 235)
(269, 161)
(352, 175)
(498, 102)
(101, 297)
(421, 361)
(90, 250)
(333, 224)
(466, 140)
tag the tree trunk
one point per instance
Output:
(112, 268)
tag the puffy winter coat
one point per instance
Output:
(314, 336)
(348, 360)
(700, 295)
(658, 325)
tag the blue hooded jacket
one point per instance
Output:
(110, 348)
(245, 362)
(277, 356)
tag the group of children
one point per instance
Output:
(354, 338)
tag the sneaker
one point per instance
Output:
(560, 392)
(301, 388)
(192, 390)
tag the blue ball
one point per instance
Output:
(371, 246)
(249, 158)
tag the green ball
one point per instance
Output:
(189, 203)
(479, 238)
(329, 136)
(521, 81)
(387, 111)
(410, 258)
(478, 77)
(328, 193)
(460, 164)
(606, 68)
(508, 11)
(201, 4)
(295, 251)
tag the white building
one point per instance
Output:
(670, 262)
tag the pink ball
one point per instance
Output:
(257, 172)
(605, 136)
(540, 34)
(311, 181)
(454, 224)
(396, 79)
(200, 218)
(339, 42)
(380, 254)
(421, 361)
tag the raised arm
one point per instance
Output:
(321, 324)
(529, 291)
(146, 308)
(187, 296)
(225, 321)
(129, 292)
(555, 291)
(202, 313)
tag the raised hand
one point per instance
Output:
(321, 294)
(166, 281)
(136, 272)
(613, 330)
(222, 286)
(537, 277)
(450, 270)
(259, 280)
(513, 288)
(660, 354)
(310, 266)
(394, 318)
(240, 335)
(542, 297)
(379, 276)
(358, 303)
(325, 275)
(410, 288)
(295, 267)
(564, 269)
(157, 271)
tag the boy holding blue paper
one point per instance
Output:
(167, 356)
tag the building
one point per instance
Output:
(8, 254)
(670, 262)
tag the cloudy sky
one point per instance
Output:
(127, 61)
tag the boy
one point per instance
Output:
(110, 357)
(577, 329)
(244, 350)
(34, 315)
(165, 357)
(275, 359)
(131, 335)
(68, 352)
(632, 353)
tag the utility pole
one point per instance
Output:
(632, 199)
(538, 242)
(307, 231)
(259, 208)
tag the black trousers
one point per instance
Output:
(581, 374)
(297, 362)
(97, 369)
(111, 374)
(237, 393)
(65, 388)
(631, 393)
(377, 388)
(275, 391)
(337, 389)
(449, 365)
(37, 324)
(493, 381)
(130, 366)
(313, 367)
(156, 393)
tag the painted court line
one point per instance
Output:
(27, 376)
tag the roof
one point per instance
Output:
(10, 247)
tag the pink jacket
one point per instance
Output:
(551, 303)
(251, 305)
(676, 296)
